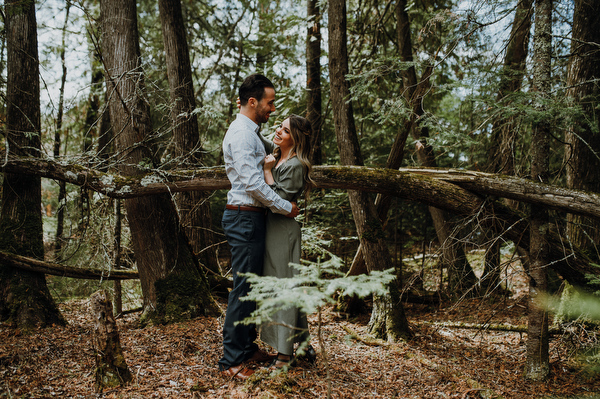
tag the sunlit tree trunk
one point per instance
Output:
(388, 319)
(583, 140)
(185, 149)
(25, 299)
(173, 285)
(537, 364)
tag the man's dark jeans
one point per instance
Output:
(245, 233)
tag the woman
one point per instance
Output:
(287, 171)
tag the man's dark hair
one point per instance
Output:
(254, 86)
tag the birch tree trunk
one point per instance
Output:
(25, 300)
(537, 365)
(173, 285)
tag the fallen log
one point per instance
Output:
(518, 189)
(448, 189)
(55, 269)
(428, 186)
(486, 326)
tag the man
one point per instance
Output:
(244, 219)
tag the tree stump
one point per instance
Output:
(111, 368)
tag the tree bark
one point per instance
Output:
(313, 80)
(117, 289)
(173, 285)
(387, 318)
(537, 365)
(185, 149)
(583, 141)
(24, 296)
(111, 368)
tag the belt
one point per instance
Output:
(245, 208)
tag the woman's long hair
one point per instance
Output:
(301, 130)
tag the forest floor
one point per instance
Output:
(180, 360)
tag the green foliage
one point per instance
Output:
(575, 305)
(579, 314)
(315, 285)
(594, 279)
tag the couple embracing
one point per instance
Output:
(267, 178)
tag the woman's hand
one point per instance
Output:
(238, 103)
(270, 162)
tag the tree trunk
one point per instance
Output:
(460, 274)
(263, 46)
(386, 321)
(583, 141)
(24, 296)
(537, 365)
(193, 207)
(118, 299)
(111, 368)
(62, 193)
(504, 129)
(313, 80)
(413, 93)
(173, 285)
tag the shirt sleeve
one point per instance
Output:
(290, 181)
(247, 162)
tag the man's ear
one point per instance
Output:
(252, 101)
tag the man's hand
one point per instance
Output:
(295, 211)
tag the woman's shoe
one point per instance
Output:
(281, 362)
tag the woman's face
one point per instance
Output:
(283, 137)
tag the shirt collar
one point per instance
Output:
(248, 122)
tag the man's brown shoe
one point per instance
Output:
(260, 356)
(240, 372)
